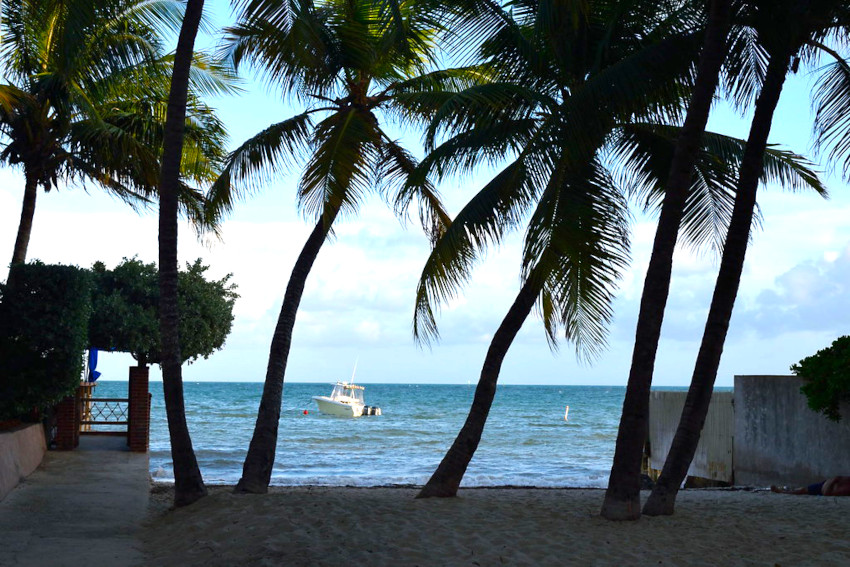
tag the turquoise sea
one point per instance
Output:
(526, 442)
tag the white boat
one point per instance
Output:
(346, 400)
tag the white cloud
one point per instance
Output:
(811, 296)
(370, 331)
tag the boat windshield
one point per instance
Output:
(355, 394)
(348, 392)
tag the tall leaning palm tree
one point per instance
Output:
(622, 499)
(188, 482)
(576, 239)
(787, 33)
(348, 60)
(565, 115)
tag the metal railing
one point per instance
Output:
(101, 415)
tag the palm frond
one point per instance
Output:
(163, 15)
(394, 167)
(644, 152)
(339, 171)
(131, 196)
(12, 100)
(746, 66)
(496, 209)
(831, 101)
(577, 243)
(421, 97)
(254, 162)
(292, 46)
(483, 106)
(278, 13)
(211, 77)
(490, 145)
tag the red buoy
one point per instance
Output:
(305, 412)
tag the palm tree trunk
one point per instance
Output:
(446, 479)
(19, 254)
(622, 498)
(663, 497)
(188, 483)
(257, 468)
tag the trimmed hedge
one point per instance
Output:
(827, 375)
(50, 314)
(44, 319)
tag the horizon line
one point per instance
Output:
(159, 381)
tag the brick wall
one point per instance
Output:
(68, 423)
(138, 432)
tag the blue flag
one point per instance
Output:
(93, 374)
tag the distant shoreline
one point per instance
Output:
(167, 486)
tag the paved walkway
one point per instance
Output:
(81, 507)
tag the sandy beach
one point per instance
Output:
(483, 527)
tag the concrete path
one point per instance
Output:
(81, 507)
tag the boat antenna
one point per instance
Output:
(353, 372)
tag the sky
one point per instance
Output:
(358, 303)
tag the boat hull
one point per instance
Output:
(332, 407)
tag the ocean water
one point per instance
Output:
(526, 441)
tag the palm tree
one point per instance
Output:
(580, 247)
(54, 52)
(622, 499)
(787, 32)
(350, 59)
(73, 108)
(560, 111)
(188, 483)
(576, 241)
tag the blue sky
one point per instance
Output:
(358, 302)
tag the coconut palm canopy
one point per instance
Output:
(589, 111)
(346, 63)
(83, 100)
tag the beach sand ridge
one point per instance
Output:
(330, 526)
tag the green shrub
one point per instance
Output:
(827, 376)
(126, 311)
(44, 317)
(206, 311)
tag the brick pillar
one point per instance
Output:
(67, 423)
(138, 429)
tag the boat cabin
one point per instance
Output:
(350, 393)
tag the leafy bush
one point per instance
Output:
(44, 317)
(827, 375)
(206, 311)
(50, 314)
(126, 311)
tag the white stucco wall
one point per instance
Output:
(779, 440)
(713, 458)
(21, 451)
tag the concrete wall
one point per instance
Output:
(779, 440)
(713, 458)
(21, 451)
